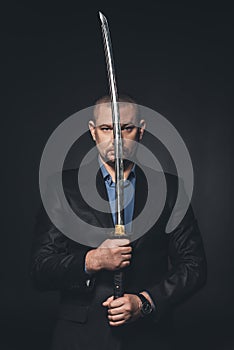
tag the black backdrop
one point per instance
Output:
(174, 58)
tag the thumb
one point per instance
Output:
(108, 301)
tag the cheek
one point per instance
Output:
(131, 137)
(103, 140)
(129, 145)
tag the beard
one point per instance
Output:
(126, 163)
(108, 156)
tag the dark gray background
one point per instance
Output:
(174, 58)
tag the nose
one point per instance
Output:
(112, 137)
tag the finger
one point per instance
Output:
(126, 257)
(126, 250)
(124, 264)
(121, 242)
(116, 318)
(116, 311)
(117, 323)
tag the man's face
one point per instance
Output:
(102, 131)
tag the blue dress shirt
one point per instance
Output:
(129, 196)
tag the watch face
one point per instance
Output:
(146, 308)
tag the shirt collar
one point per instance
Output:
(106, 175)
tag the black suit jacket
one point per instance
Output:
(169, 266)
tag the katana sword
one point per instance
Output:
(119, 169)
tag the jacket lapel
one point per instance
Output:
(104, 217)
(141, 191)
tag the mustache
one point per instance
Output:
(126, 163)
(125, 149)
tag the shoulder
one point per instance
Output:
(161, 185)
(80, 176)
(149, 174)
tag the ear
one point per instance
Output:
(142, 126)
(92, 129)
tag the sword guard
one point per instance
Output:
(119, 230)
(120, 233)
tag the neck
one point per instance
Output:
(110, 167)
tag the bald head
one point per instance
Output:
(125, 103)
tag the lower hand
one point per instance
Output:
(123, 310)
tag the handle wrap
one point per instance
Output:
(118, 284)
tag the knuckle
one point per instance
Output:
(128, 308)
(115, 251)
(126, 317)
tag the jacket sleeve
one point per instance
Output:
(58, 263)
(187, 271)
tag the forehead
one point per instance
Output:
(103, 113)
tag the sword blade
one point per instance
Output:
(119, 173)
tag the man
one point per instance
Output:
(160, 269)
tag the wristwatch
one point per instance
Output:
(146, 307)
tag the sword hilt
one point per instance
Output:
(119, 233)
(118, 284)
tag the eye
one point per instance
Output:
(128, 128)
(106, 128)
